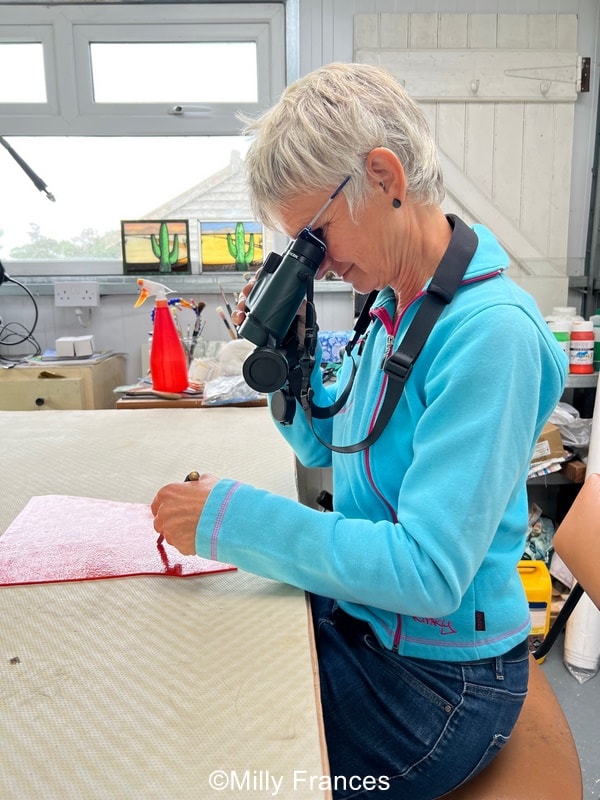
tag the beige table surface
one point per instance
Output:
(148, 687)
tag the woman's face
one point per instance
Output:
(356, 250)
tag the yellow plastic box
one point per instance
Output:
(538, 588)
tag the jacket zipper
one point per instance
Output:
(389, 346)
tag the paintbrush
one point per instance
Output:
(230, 310)
(198, 308)
(225, 300)
(221, 313)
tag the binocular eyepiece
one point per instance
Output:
(272, 305)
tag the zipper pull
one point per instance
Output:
(389, 346)
(361, 343)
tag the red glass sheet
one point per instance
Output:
(65, 538)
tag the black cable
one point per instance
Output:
(37, 181)
(17, 329)
(560, 622)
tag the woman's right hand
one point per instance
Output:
(238, 315)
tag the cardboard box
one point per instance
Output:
(65, 346)
(574, 470)
(84, 346)
(549, 445)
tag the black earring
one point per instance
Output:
(396, 203)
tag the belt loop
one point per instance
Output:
(499, 668)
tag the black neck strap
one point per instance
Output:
(442, 288)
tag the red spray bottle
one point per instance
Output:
(168, 363)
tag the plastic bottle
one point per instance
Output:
(595, 320)
(560, 321)
(564, 311)
(561, 328)
(581, 654)
(168, 363)
(581, 353)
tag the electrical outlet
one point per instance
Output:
(83, 294)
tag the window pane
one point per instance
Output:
(155, 72)
(99, 181)
(22, 78)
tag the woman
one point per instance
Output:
(420, 614)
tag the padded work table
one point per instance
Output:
(152, 687)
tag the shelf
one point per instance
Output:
(581, 381)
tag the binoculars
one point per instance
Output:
(271, 308)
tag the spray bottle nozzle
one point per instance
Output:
(149, 288)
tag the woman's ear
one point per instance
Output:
(386, 172)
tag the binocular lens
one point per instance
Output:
(265, 370)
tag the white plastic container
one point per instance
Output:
(560, 321)
(582, 640)
(561, 328)
(564, 311)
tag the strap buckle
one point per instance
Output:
(443, 293)
(399, 365)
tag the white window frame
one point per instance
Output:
(66, 32)
(39, 34)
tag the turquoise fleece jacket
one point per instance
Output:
(429, 522)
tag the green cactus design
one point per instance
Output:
(237, 247)
(160, 248)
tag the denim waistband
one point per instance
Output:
(517, 653)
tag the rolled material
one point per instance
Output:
(582, 640)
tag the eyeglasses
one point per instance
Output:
(327, 203)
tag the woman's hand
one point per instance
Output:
(238, 315)
(177, 508)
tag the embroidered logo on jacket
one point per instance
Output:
(445, 625)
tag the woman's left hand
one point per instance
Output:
(177, 508)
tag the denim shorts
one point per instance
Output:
(409, 728)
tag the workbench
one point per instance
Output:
(152, 687)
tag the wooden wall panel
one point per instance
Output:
(508, 160)
(499, 92)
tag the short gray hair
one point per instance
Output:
(323, 128)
